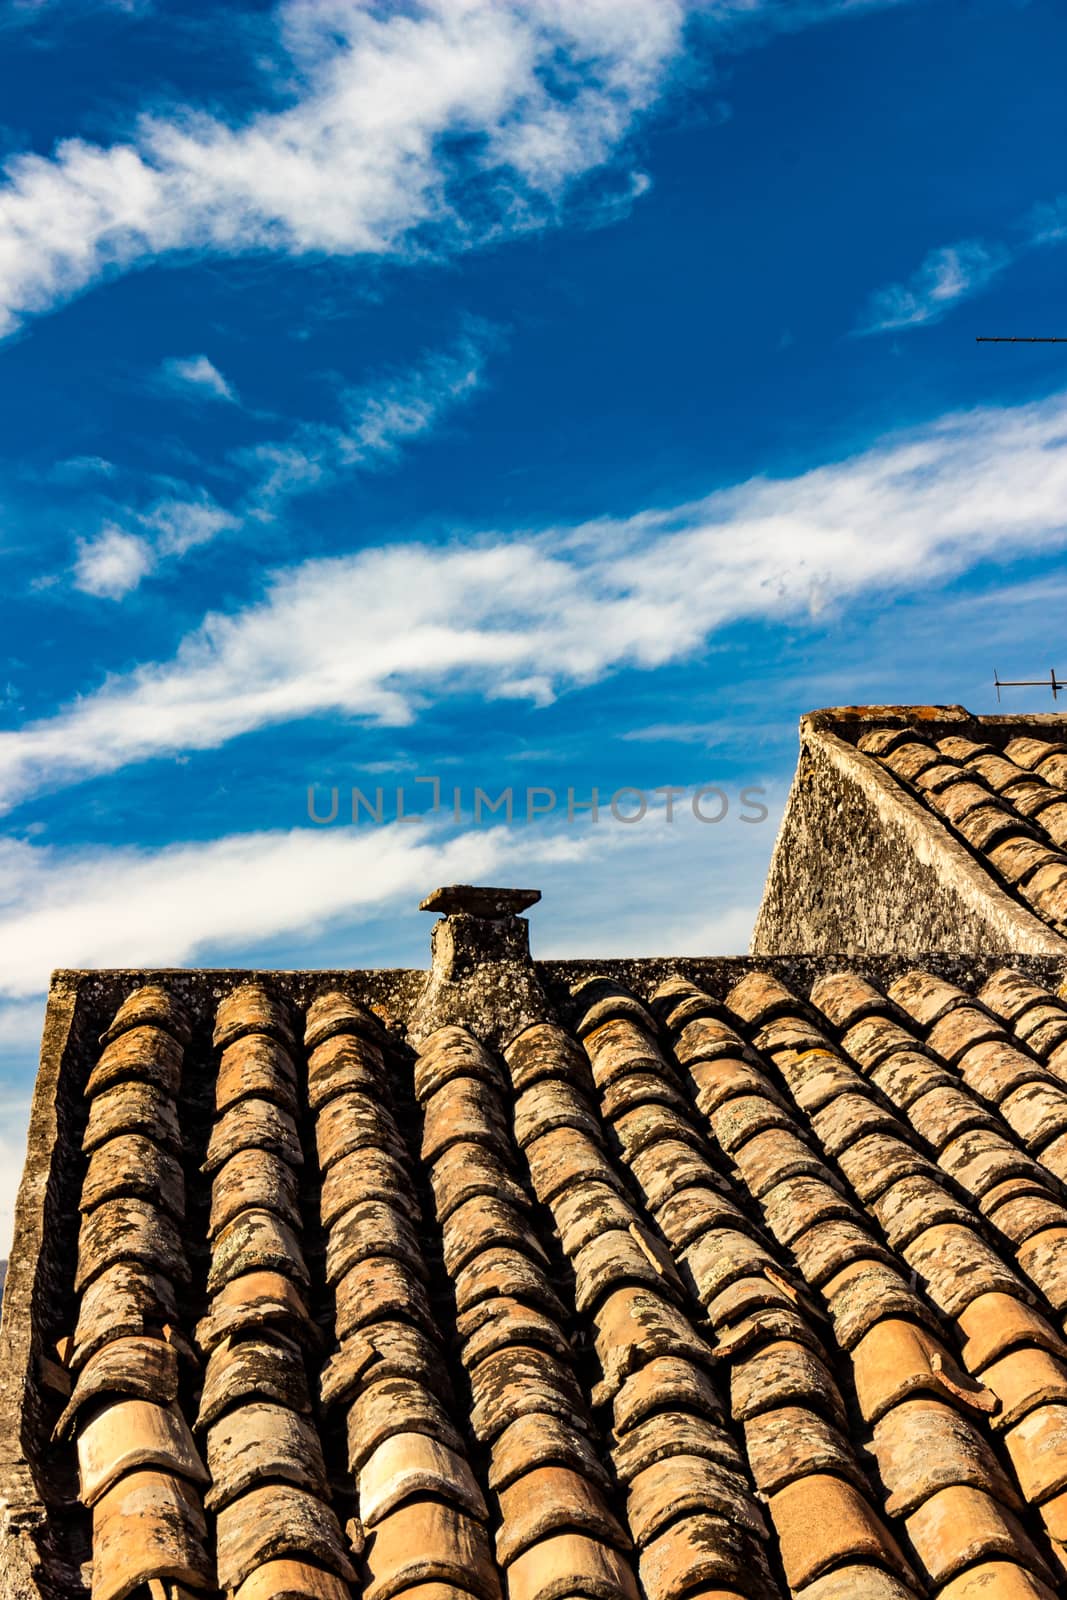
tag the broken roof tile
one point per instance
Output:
(898, 1358)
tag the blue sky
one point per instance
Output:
(563, 395)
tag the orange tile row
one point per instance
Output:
(691, 1512)
(276, 1531)
(139, 1470)
(422, 1518)
(557, 1534)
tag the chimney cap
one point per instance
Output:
(478, 902)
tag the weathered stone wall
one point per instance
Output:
(860, 866)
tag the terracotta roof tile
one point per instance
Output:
(960, 1526)
(922, 1445)
(567, 1564)
(822, 1522)
(128, 1434)
(132, 1164)
(406, 1466)
(278, 1520)
(151, 1005)
(146, 1054)
(552, 1499)
(148, 1525)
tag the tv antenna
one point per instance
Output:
(1020, 338)
(1051, 682)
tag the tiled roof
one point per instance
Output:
(667, 1293)
(1003, 794)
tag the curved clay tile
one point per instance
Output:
(367, 1173)
(371, 1228)
(353, 1122)
(429, 1542)
(149, 1525)
(253, 1179)
(341, 1063)
(380, 1287)
(131, 1367)
(410, 1465)
(275, 1521)
(545, 1050)
(254, 1301)
(292, 1580)
(256, 1065)
(548, 1500)
(146, 1053)
(129, 1230)
(265, 1366)
(132, 1108)
(395, 1405)
(262, 1441)
(128, 1434)
(254, 1124)
(126, 1300)
(335, 1013)
(251, 1008)
(154, 1006)
(388, 1349)
(465, 1171)
(132, 1164)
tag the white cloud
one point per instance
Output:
(198, 374)
(390, 120)
(377, 634)
(112, 564)
(432, 127)
(950, 274)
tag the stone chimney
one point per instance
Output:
(481, 974)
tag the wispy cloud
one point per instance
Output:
(196, 375)
(960, 271)
(378, 421)
(529, 614)
(948, 275)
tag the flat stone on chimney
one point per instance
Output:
(476, 902)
